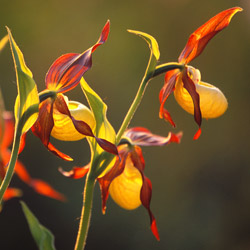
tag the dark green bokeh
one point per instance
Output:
(201, 189)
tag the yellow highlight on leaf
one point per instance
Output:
(125, 189)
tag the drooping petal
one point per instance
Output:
(189, 85)
(106, 180)
(199, 39)
(143, 137)
(76, 172)
(64, 128)
(146, 187)
(44, 125)
(167, 89)
(82, 127)
(65, 73)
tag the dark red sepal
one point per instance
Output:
(146, 189)
(82, 127)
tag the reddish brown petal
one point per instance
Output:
(22, 143)
(143, 137)
(22, 173)
(82, 127)
(167, 89)
(146, 189)
(190, 87)
(76, 172)
(199, 39)
(66, 72)
(106, 180)
(45, 189)
(44, 123)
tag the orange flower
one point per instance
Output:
(6, 138)
(196, 97)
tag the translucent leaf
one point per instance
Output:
(42, 236)
(27, 101)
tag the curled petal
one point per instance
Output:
(76, 172)
(143, 137)
(64, 128)
(65, 73)
(199, 39)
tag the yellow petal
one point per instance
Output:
(64, 129)
(125, 189)
(213, 103)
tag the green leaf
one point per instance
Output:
(154, 48)
(27, 101)
(103, 127)
(42, 236)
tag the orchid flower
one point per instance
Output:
(6, 138)
(125, 180)
(63, 119)
(196, 97)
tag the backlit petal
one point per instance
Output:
(65, 73)
(199, 39)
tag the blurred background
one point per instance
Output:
(201, 189)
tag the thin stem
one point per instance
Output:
(14, 154)
(86, 212)
(132, 108)
(163, 68)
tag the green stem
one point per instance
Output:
(86, 212)
(14, 154)
(163, 68)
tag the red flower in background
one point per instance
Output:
(125, 180)
(6, 138)
(65, 74)
(193, 95)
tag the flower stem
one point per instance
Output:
(14, 154)
(86, 212)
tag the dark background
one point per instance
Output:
(201, 189)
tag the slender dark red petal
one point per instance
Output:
(45, 189)
(65, 73)
(22, 173)
(22, 143)
(146, 189)
(167, 89)
(82, 127)
(76, 172)
(190, 87)
(43, 126)
(143, 137)
(106, 180)
(199, 39)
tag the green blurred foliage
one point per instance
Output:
(201, 189)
